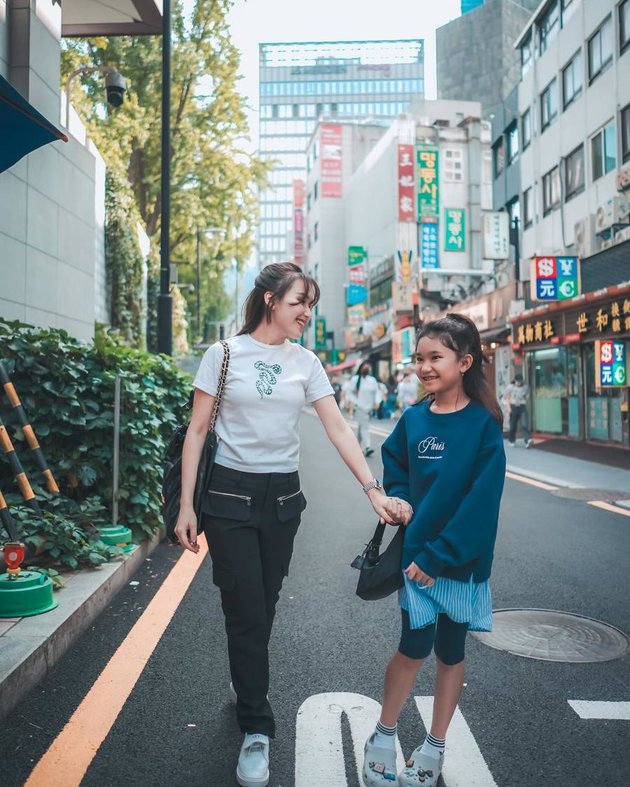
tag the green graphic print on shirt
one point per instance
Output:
(267, 377)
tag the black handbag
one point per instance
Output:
(381, 573)
(172, 463)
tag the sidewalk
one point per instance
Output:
(29, 647)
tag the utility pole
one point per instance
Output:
(165, 302)
(517, 255)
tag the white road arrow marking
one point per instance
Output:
(614, 711)
(319, 760)
(464, 765)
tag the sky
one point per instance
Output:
(257, 21)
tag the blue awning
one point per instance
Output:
(22, 127)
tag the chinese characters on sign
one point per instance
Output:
(429, 245)
(613, 318)
(539, 331)
(330, 146)
(496, 236)
(554, 278)
(610, 364)
(455, 229)
(428, 183)
(406, 183)
(320, 333)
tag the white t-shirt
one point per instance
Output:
(266, 388)
(368, 396)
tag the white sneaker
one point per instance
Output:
(233, 694)
(253, 761)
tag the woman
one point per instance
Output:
(364, 393)
(254, 502)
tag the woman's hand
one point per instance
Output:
(401, 510)
(390, 509)
(186, 529)
(416, 574)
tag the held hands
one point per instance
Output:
(390, 509)
(186, 529)
(416, 574)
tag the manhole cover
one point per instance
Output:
(553, 636)
(580, 493)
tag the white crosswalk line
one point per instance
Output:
(464, 765)
(613, 711)
(319, 760)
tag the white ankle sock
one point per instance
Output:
(255, 737)
(432, 746)
(385, 736)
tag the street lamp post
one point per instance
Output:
(165, 302)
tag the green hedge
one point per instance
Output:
(67, 389)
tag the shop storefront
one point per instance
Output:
(560, 347)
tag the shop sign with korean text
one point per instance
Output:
(455, 229)
(554, 278)
(429, 233)
(610, 364)
(406, 183)
(320, 333)
(496, 235)
(428, 183)
(330, 142)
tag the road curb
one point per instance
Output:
(30, 648)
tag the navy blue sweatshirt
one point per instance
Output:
(451, 468)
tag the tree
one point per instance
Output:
(214, 181)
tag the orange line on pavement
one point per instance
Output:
(609, 507)
(530, 481)
(70, 754)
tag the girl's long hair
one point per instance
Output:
(276, 278)
(460, 334)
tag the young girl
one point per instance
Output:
(254, 502)
(446, 458)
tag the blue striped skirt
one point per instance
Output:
(464, 602)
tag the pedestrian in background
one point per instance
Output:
(446, 458)
(515, 397)
(407, 390)
(364, 393)
(254, 502)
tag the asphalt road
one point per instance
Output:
(178, 727)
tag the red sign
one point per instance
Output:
(298, 221)
(330, 139)
(406, 183)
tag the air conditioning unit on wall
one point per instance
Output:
(622, 235)
(584, 238)
(606, 244)
(613, 211)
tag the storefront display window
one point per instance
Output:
(555, 404)
(603, 417)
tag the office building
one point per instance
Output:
(306, 81)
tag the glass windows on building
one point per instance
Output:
(554, 373)
(512, 142)
(625, 133)
(498, 156)
(600, 50)
(453, 164)
(624, 26)
(572, 80)
(527, 53)
(551, 190)
(549, 104)
(548, 26)
(604, 151)
(526, 127)
(574, 173)
(528, 207)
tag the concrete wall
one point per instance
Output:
(598, 104)
(52, 200)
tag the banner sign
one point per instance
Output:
(330, 139)
(320, 333)
(356, 255)
(429, 246)
(402, 297)
(298, 221)
(428, 183)
(403, 268)
(454, 221)
(496, 236)
(356, 314)
(355, 293)
(406, 183)
(610, 364)
(554, 278)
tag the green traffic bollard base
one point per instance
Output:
(117, 536)
(24, 594)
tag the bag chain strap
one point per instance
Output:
(221, 386)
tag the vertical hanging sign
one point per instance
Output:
(428, 184)
(610, 364)
(330, 139)
(298, 222)
(406, 183)
(455, 227)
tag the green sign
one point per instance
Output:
(428, 183)
(454, 229)
(320, 333)
(356, 255)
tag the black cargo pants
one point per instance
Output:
(250, 522)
